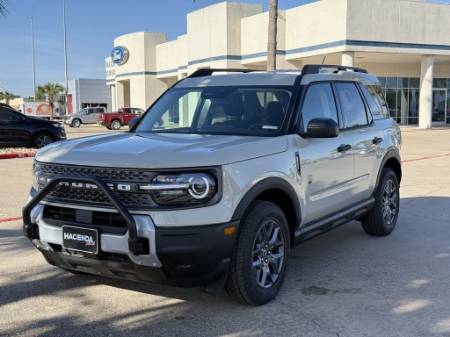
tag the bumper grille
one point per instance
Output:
(106, 221)
(132, 199)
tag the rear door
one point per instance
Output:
(359, 125)
(326, 163)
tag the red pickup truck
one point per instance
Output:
(115, 120)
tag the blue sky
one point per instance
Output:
(92, 26)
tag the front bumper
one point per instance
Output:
(184, 257)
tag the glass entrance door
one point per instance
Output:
(439, 106)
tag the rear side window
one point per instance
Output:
(319, 103)
(7, 116)
(375, 100)
(352, 105)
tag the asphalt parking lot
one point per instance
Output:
(343, 283)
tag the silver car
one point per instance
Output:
(220, 178)
(84, 116)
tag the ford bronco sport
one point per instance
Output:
(224, 173)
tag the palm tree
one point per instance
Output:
(7, 96)
(51, 91)
(2, 7)
(272, 36)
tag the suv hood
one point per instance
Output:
(157, 150)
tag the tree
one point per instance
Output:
(272, 36)
(7, 96)
(50, 91)
(2, 7)
(40, 94)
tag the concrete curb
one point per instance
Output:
(17, 155)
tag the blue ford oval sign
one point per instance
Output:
(120, 55)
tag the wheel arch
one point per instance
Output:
(391, 160)
(278, 191)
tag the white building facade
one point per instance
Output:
(406, 43)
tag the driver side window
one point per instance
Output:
(319, 103)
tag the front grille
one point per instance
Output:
(133, 199)
(107, 174)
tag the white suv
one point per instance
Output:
(225, 172)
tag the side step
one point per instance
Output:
(323, 225)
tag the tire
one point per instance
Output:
(41, 139)
(382, 219)
(76, 123)
(249, 258)
(115, 124)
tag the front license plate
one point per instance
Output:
(80, 239)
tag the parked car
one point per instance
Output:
(16, 129)
(222, 186)
(84, 116)
(115, 120)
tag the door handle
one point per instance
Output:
(344, 147)
(377, 140)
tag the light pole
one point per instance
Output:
(33, 58)
(65, 56)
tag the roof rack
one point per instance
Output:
(315, 68)
(209, 71)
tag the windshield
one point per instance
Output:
(219, 110)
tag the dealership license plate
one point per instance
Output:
(80, 239)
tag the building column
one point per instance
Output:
(113, 97)
(119, 95)
(426, 92)
(348, 59)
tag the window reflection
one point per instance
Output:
(402, 96)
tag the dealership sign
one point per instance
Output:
(120, 55)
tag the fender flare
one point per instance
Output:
(265, 185)
(391, 153)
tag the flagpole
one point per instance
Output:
(65, 55)
(33, 57)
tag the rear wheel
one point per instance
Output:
(76, 123)
(260, 255)
(42, 139)
(383, 217)
(115, 124)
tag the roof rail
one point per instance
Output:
(315, 68)
(209, 71)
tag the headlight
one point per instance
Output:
(38, 178)
(36, 174)
(182, 189)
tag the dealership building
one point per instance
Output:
(406, 43)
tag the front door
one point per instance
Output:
(327, 166)
(439, 109)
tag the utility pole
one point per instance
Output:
(66, 84)
(33, 57)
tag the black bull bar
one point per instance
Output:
(136, 245)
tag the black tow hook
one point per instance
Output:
(136, 245)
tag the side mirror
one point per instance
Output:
(322, 128)
(132, 123)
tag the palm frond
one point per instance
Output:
(3, 10)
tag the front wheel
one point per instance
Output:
(383, 217)
(42, 139)
(260, 255)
